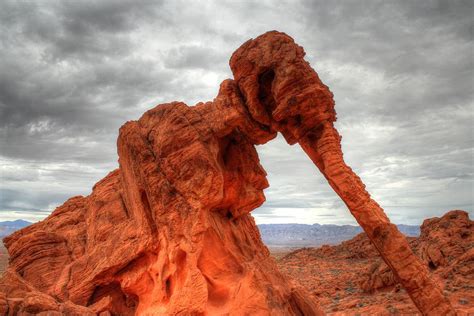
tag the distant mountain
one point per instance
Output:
(284, 235)
(8, 227)
(302, 235)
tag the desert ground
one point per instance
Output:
(351, 279)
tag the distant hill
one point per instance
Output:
(8, 227)
(288, 235)
(302, 235)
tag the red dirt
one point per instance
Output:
(351, 278)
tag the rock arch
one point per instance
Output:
(170, 233)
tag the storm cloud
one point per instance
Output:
(72, 72)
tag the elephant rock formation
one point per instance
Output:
(170, 232)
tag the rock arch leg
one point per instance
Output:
(324, 149)
(294, 101)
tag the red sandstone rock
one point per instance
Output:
(283, 93)
(351, 278)
(169, 232)
(446, 238)
(446, 246)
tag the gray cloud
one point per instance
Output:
(401, 72)
(194, 57)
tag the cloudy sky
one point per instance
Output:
(72, 72)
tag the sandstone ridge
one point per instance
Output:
(169, 232)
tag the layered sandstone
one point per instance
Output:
(169, 232)
(283, 93)
(351, 278)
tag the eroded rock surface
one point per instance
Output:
(351, 278)
(169, 232)
(283, 93)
